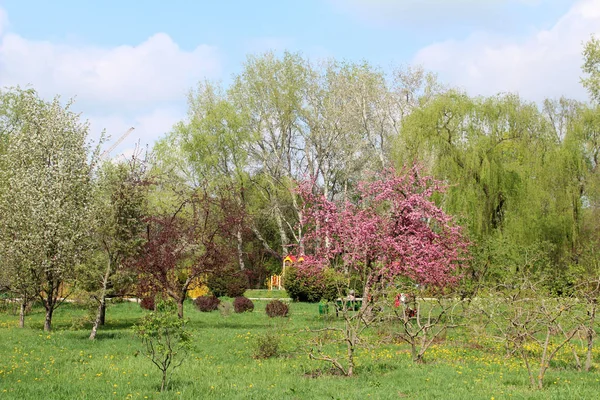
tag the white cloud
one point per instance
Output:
(144, 85)
(156, 70)
(544, 64)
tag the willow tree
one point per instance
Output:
(513, 179)
(45, 205)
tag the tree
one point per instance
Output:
(214, 141)
(182, 247)
(530, 323)
(391, 228)
(15, 275)
(46, 172)
(591, 67)
(165, 340)
(118, 220)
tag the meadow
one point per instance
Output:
(64, 364)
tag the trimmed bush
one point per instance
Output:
(231, 282)
(207, 303)
(277, 308)
(314, 286)
(242, 304)
(148, 303)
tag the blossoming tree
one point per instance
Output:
(389, 227)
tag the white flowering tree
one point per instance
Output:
(45, 172)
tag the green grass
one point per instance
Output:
(66, 365)
(266, 294)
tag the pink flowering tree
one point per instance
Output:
(388, 228)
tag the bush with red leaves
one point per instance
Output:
(147, 303)
(207, 303)
(242, 304)
(277, 308)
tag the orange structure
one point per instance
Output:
(278, 281)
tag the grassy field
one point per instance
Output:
(66, 365)
(266, 294)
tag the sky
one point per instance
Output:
(131, 63)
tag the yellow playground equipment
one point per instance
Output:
(277, 281)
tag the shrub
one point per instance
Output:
(267, 345)
(303, 287)
(225, 309)
(242, 304)
(231, 282)
(314, 286)
(277, 308)
(207, 303)
(147, 303)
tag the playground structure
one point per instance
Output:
(278, 281)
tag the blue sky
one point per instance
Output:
(132, 62)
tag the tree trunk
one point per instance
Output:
(282, 234)
(180, 307)
(103, 312)
(350, 357)
(102, 306)
(48, 320)
(22, 314)
(240, 248)
(590, 336)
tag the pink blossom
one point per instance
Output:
(391, 228)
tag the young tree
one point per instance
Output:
(118, 220)
(530, 323)
(391, 228)
(46, 172)
(165, 340)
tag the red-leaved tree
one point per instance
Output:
(185, 246)
(389, 227)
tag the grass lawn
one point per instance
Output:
(266, 294)
(66, 365)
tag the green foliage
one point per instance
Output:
(165, 340)
(267, 345)
(591, 67)
(231, 282)
(314, 287)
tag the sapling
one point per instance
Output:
(165, 340)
